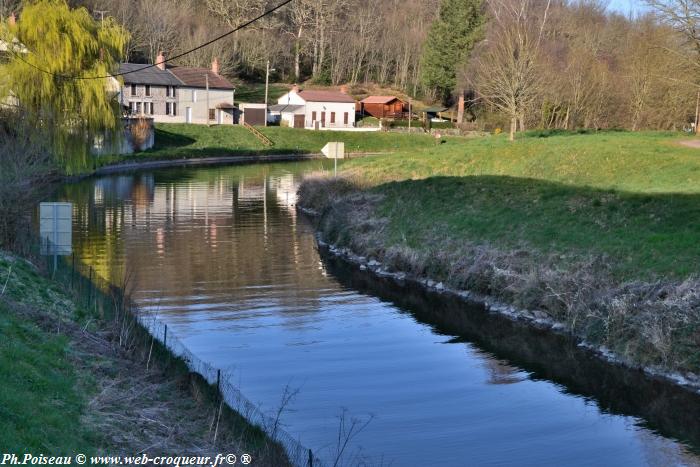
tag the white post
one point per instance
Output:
(206, 77)
(267, 84)
(409, 114)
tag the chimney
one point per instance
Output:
(295, 88)
(215, 66)
(160, 60)
(12, 20)
(344, 89)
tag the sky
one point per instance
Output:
(626, 7)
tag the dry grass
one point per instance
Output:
(137, 398)
(644, 322)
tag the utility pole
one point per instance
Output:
(267, 85)
(206, 77)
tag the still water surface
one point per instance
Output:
(221, 255)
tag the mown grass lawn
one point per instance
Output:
(255, 92)
(180, 140)
(601, 232)
(634, 197)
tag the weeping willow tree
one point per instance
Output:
(54, 51)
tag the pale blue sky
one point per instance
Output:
(628, 6)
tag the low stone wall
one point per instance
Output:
(135, 134)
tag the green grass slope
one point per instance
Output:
(632, 197)
(40, 400)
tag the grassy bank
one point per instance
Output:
(75, 381)
(598, 231)
(175, 141)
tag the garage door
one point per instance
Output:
(254, 116)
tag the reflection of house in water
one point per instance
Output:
(137, 189)
(207, 242)
(285, 188)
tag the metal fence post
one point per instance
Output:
(89, 289)
(72, 270)
(165, 337)
(218, 382)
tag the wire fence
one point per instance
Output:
(110, 301)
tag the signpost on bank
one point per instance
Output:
(56, 230)
(334, 150)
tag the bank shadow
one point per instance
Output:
(662, 407)
(169, 139)
(645, 235)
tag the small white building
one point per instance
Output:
(321, 109)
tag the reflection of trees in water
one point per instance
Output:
(500, 371)
(216, 233)
(672, 411)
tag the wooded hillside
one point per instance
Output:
(523, 63)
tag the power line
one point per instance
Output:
(145, 67)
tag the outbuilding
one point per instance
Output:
(291, 116)
(382, 107)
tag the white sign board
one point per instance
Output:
(334, 150)
(56, 228)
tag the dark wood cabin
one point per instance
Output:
(382, 107)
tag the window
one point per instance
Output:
(313, 116)
(138, 107)
(149, 108)
(133, 89)
(174, 107)
(345, 118)
(148, 90)
(168, 91)
(332, 117)
(168, 108)
(212, 114)
(194, 95)
(132, 108)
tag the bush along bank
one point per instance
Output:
(652, 325)
(82, 375)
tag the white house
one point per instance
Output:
(321, 109)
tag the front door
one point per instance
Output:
(299, 121)
(188, 115)
(323, 119)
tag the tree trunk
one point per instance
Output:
(460, 108)
(697, 114)
(513, 127)
(297, 56)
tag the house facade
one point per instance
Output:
(204, 96)
(177, 94)
(321, 109)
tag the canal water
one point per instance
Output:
(222, 256)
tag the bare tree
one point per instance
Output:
(507, 68)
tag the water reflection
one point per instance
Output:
(222, 256)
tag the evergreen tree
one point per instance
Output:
(452, 37)
(50, 45)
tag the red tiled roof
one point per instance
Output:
(379, 99)
(196, 77)
(325, 96)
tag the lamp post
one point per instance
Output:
(267, 86)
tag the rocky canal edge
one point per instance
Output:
(532, 317)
